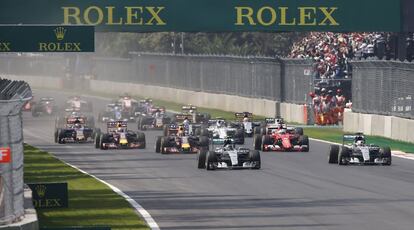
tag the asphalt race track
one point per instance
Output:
(291, 191)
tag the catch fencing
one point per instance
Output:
(13, 95)
(383, 87)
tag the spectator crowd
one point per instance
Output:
(331, 53)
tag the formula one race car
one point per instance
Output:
(180, 141)
(46, 106)
(156, 119)
(220, 129)
(284, 139)
(114, 112)
(354, 150)
(119, 137)
(245, 121)
(190, 112)
(75, 131)
(75, 103)
(228, 156)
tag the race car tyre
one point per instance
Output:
(96, 132)
(204, 141)
(256, 130)
(266, 140)
(100, 117)
(56, 135)
(385, 153)
(141, 138)
(163, 144)
(263, 131)
(255, 158)
(202, 154)
(158, 145)
(165, 130)
(204, 132)
(240, 135)
(257, 141)
(97, 139)
(34, 112)
(61, 136)
(299, 131)
(343, 156)
(333, 154)
(211, 159)
(103, 138)
(304, 140)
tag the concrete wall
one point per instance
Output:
(386, 126)
(263, 107)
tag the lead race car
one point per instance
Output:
(119, 137)
(228, 156)
(354, 150)
(179, 139)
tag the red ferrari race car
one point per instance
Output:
(284, 139)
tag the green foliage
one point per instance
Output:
(236, 43)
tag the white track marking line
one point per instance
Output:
(398, 154)
(138, 208)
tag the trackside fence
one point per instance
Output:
(13, 95)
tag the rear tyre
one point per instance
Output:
(165, 130)
(97, 140)
(56, 137)
(256, 130)
(158, 145)
(255, 158)
(202, 155)
(333, 154)
(266, 140)
(211, 160)
(257, 141)
(163, 144)
(141, 138)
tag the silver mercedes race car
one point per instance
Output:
(228, 156)
(354, 150)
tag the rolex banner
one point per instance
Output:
(208, 15)
(47, 39)
(50, 195)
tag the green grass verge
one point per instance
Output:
(91, 203)
(335, 135)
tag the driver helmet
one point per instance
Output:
(282, 131)
(78, 126)
(120, 129)
(359, 140)
(220, 123)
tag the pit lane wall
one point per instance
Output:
(396, 128)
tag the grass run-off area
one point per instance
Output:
(91, 203)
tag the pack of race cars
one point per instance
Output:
(214, 140)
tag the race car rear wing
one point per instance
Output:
(117, 124)
(240, 116)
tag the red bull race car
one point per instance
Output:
(119, 137)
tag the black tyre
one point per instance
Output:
(34, 112)
(96, 132)
(61, 136)
(299, 131)
(257, 141)
(263, 131)
(56, 135)
(91, 122)
(304, 140)
(266, 140)
(97, 140)
(158, 145)
(333, 154)
(141, 138)
(102, 140)
(211, 160)
(343, 156)
(197, 132)
(256, 130)
(163, 144)
(255, 158)
(385, 153)
(202, 155)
